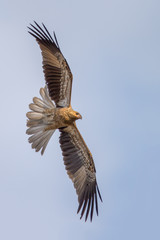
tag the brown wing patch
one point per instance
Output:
(56, 70)
(80, 168)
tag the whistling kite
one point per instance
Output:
(45, 117)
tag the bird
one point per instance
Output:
(54, 111)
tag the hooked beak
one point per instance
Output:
(80, 117)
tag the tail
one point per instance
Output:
(38, 121)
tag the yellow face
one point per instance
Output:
(78, 115)
(75, 115)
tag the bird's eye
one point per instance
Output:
(77, 113)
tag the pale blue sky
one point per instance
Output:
(113, 49)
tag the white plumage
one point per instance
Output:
(37, 121)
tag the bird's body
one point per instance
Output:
(55, 118)
(45, 117)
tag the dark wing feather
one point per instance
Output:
(80, 168)
(56, 70)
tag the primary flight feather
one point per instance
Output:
(53, 111)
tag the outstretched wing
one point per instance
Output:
(56, 70)
(80, 168)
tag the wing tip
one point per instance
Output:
(86, 203)
(42, 34)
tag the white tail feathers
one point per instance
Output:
(34, 115)
(39, 121)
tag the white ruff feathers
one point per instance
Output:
(37, 121)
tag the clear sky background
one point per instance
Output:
(113, 49)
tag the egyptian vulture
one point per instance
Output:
(53, 111)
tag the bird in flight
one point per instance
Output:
(53, 111)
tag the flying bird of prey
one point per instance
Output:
(53, 111)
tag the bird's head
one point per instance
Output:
(75, 115)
